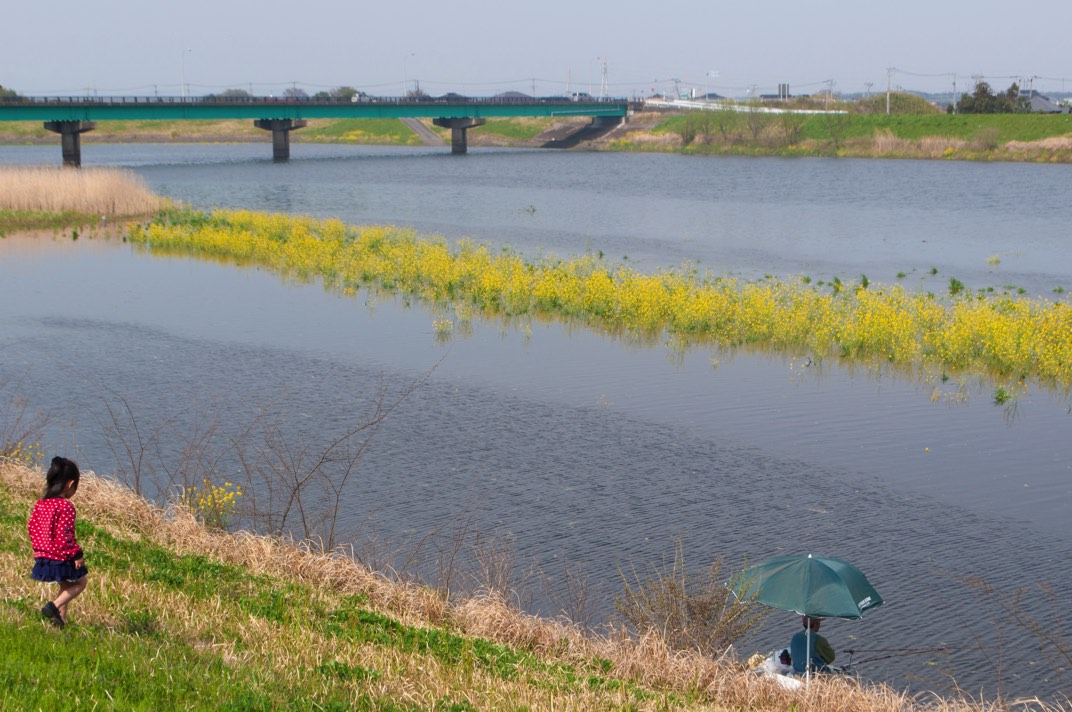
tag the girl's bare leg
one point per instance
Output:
(69, 590)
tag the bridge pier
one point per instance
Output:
(70, 138)
(458, 127)
(280, 129)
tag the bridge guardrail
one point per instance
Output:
(287, 101)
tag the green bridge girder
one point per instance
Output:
(172, 109)
(72, 116)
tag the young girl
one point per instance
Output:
(57, 556)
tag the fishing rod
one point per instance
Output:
(891, 653)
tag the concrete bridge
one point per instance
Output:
(70, 117)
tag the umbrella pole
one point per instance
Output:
(807, 655)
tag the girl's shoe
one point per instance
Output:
(53, 614)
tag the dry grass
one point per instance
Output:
(670, 678)
(1053, 143)
(89, 191)
(885, 143)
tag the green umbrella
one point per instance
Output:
(818, 586)
(815, 586)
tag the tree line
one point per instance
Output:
(983, 100)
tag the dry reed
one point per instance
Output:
(885, 143)
(89, 191)
(714, 684)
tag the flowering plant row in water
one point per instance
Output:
(996, 335)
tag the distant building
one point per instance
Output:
(1040, 104)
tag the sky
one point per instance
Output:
(481, 48)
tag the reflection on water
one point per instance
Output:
(579, 447)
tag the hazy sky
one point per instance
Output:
(479, 47)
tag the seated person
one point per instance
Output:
(821, 653)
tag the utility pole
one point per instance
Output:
(889, 78)
(706, 88)
(184, 53)
(405, 73)
(954, 93)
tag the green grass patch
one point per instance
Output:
(516, 129)
(1008, 127)
(14, 220)
(364, 626)
(22, 131)
(824, 127)
(44, 668)
(370, 131)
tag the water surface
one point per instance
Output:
(580, 448)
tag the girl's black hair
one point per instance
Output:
(59, 474)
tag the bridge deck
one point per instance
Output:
(174, 108)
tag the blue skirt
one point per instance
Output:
(52, 571)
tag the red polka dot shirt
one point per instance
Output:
(51, 528)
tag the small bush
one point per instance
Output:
(687, 611)
(987, 138)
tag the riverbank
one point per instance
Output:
(252, 622)
(974, 137)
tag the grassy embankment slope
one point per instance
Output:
(865, 132)
(179, 616)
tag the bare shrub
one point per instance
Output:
(132, 449)
(1048, 629)
(885, 142)
(296, 485)
(687, 130)
(791, 127)
(21, 427)
(94, 191)
(495, 559)
(986, 138)
(756, 122)
(696, 612)
(570, 595)
(728, 125)
(837, 124)
(291, 483)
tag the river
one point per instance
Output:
(577, 450)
